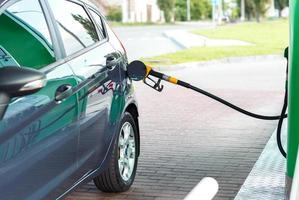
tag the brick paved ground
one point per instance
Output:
(186, 137)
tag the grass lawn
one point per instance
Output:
(268, 37)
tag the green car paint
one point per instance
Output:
(117, 105)
(38, 132)
(18, 34)
(60, 116)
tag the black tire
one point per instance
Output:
(111, 179)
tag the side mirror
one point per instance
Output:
(18, 82)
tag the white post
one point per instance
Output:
(214, 10)
(125, 14)
(220, 12)
(205, 190)
(242, 10)
(188, 11)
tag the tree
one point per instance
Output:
(261, 7)
(281, 4)
(181, 10)
(87, 24)
(256, 8)
(114, 13)
(200, 9)
(167, 6)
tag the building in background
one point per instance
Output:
(141, 11)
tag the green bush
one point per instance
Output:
(114, 13)
(200, 9)
(180, 10)
(167, 6)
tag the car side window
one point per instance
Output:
(75, 26)
(99, 22)
(24, 36)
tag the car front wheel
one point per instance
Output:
(120, 174)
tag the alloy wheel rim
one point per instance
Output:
(127, 150)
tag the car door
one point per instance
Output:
(91, 57)
(39, 132)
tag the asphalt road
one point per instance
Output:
(186, 136)
(147, 41)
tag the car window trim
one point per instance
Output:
(81, 51)
(58, 45)
(90, 9)
(33, 31)
(66, 59)
(45, 11)
(7, 4)
(107, 39)
(53, 35)
(85, 50)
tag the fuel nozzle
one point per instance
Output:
(138, 71)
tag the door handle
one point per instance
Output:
(63, 92)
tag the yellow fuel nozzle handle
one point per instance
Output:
(150, 71)
(137, 71)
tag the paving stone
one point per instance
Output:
(185, 137)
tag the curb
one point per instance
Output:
(219, 61)
(271, 166)
(179, 37)
(175, 41)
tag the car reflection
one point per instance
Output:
(6, 59)
(35, 43)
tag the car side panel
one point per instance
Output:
(98, 88)
(38, 141)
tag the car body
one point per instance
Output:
(64, 134)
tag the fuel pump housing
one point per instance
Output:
(293, 116)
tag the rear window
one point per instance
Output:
(98, 20)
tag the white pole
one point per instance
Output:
(242, 10)
(213, 11)
(220, 12)
(188, 11)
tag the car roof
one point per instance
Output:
(84, 1)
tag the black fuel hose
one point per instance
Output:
(137, 65)
(279, 127)
(137, 70)
(241, 110)
(257, 116)
(284, 109)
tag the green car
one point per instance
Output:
(68, 113)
